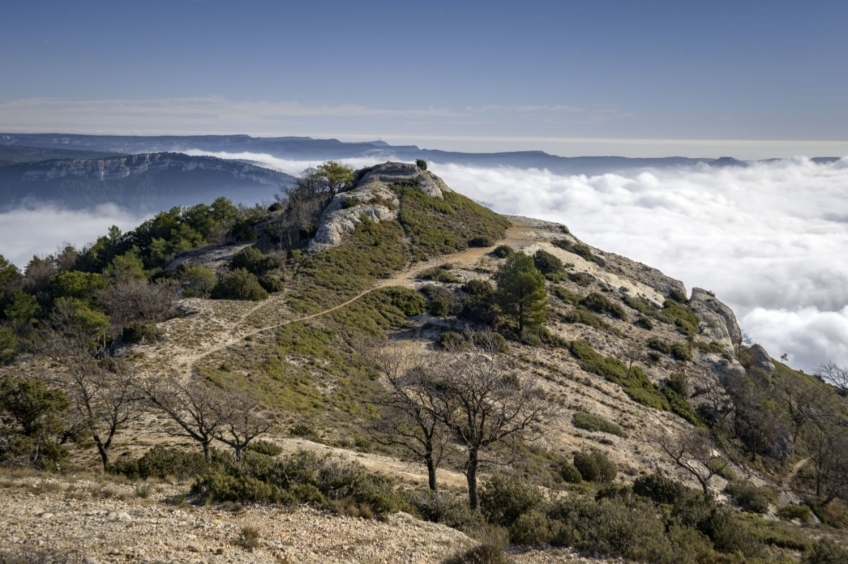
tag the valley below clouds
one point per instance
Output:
(769, 239)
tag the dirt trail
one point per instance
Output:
(787, 481)
(515, 236)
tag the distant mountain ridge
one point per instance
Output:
(142, 183)
(307, 148)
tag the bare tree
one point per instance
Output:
(827, 447)
(835, 375)
(482, 402)
(408, 419)
(137, 300)
(692, 450)
(242, 421)
(199, 412)
(101, 391)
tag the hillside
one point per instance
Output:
(141, 183)
(294, 313)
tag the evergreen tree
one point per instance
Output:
(521, 290)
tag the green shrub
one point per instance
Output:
(478, 304)
(659, 489)
(586, 317)
(407, 300)
(681, 316)
(587, 466)
(826, 551)
(302, 430)
(660, 345)
(481, 242)
(750, 497)
(606, 467)
(503, 251)
(264, 447)
(140, 331)
(569, 473)
(421, 163)
(600, 304)
(452, 511)
(578, 249)
(481, 554)
(197, 281)
(681, 351)
(596, 423)
(565, 295)
(254, 261)
(441, 273)
(581, 278)
(641, 305)
(730, 533)
(678, 382)
(239, 284)
(709, 348)
(503, 499)
(644, 323)
(533, 528)
(453, 341)
(442, 300)
(546, 262)
(271, 284)
(161, 462)
(790, 512)
(249, 538)
(243, 231)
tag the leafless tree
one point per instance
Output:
(717, 404)
(138, 300)
(199, 411)
(101, 390)
(407, 416)
(482, 402)
(827, 447)
(242, 421)
(692, 450)
(835, 375)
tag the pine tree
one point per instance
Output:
(521, 291)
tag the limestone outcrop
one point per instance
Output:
(372, 198)
(718, 321)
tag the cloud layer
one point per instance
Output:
(40, 230)
(769, 239)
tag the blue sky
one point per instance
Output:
(749, 79)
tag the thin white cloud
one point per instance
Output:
(40, 230)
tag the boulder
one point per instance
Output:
(761, 359)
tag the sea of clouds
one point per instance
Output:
(770, 239)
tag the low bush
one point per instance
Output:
(503, 251)
(791, 512)
(271, 284)
(755, 499)
(421, 163)
(660, 345)
(581, 278)
(264, 447)
(141, 332)
(644, 323)
(533, 528)
(594, 466)
(239, 284)
(579, 249)
(303, 477)
(596, 423)
(678, 382)
(161, 462)
(547, 263)
(441, 273)
(600, 304)
(454, 341)
(481, 242)
(586, 317)
(565, 295)
(681, 351)
(569, 473)
(659, 489)
(826, 551)
(442, 301)
(254, 261)
(503, 499)
(452, 511)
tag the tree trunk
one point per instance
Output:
(238, 449)
(205, 445)
(471, 476)
(431, 471)
(101, 449)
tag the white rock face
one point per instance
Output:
(719, 321)
(371, 198)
